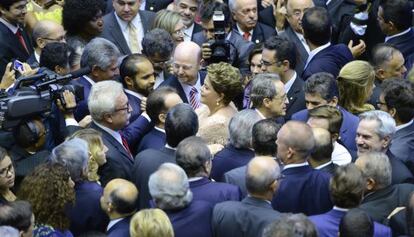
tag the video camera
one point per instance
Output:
(220, 47)
(34, 95)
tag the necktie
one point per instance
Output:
(193, 98)
(246, 36)
(21, 39)
(126, 146)
(133, 39)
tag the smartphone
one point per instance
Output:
(18, 66)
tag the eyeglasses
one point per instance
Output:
(5, 171)
(60, 39)
(127, 108)
(179, 32)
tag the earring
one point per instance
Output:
(217, 103)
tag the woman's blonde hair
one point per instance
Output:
(167, 20)
(94, 140)
(355, 83)
(151, 223)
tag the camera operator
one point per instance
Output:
(239, 49)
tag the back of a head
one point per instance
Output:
(240, 128)
(156, 102)
(99, 52)
(157, 42)
(323, 84)
(29, 132)
(299, 137)
(123, 196)
(151, 223)
(291, 225)
(356, 223)
(181, 122)
(16, 214)
(264, 135)
(330, 113)
(323, 145)
(347, 186)
(55, 54)
(192, 155)
(381, 54)
(261, 173)
(376, 166)
(399, 95)
(399, 12)
(316, 25)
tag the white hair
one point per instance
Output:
(386, 127)
(102, 98)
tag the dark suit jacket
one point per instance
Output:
(260, 32)
(135, 103)
(120, 229)
(118, 161)
(82, 107)
(381, 203)
(156, 5)
(247, 218)
(155, 139)
(87, 214)
(330, 59)
(112, 31)
(405, 44)
(32, 61)
(237, 177)
(296, 97)
(327, 224)
(330, 168)
(348, 127)
(400, 172)
(301, 53)
(11, 48)
(214, 192)
(229, 158)
(193, 220)
(402, 146)
(303, 189)
(173, 82)
(146, 163)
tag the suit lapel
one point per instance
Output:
(294, 90)
(117, 34)
(13, 41)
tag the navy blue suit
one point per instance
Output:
(402, 146)
(154, 139)
(135, 104)
(348, 127)
(405, 44)
(214, 192)
(400, 172)
(296, 97)
(173, 82)
(327, 224)
(87, 214)
(303, 189)
(330, 59)
(120, 229)
(82, 108)
(229, 158)
(193, 220)
(261, 32)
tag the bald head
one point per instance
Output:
(322, 136)
(261, 173)
(187, 56)
(119, 197)
(46, 31)
(323, 145)
(188, 49)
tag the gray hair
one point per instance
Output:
(41, 30)
(260, 175)
(8, 231)
(102, 98)
(232, 5)
(376, 165)
(386, 127)
(191, 155)
(73, 154)
(382, 54)
(241, 126)
(169, 187)
(263, 87)
(99, 52)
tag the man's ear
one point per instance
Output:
(95, 71)
(387, 141)
(379, 73)
(162, 117)
(392, 112)
(370, 184)
(128, 81)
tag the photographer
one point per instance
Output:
(214, 41)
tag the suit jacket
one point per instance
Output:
(87, 214)
(112, 31)
(402, 145)
(120, 229)
(400, 172)
(11, 48)
(404, 44)
(82, 107)
(303, 189)
(327, 224)
(155, 139)
(214, 192)
(237, 177)
(174, 83)
(247, 218)
(301, 53)
(296, 97)
(32, 61)
(146, 163)
(381, 203)
(229, 158)
(193, 220)
(348, 127)
(330, 169)
(330, 59)
(135, 103)
(260, 32)
(118, 160)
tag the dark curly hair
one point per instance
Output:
(47, 189)
(225, 79)
(77, 13)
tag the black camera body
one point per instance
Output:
(220, 47)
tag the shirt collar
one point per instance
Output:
(323, 165)
(187, 87)
(302, 40)
(295, 165)
(159, 129)
(113, 133)
(133, 93)
(193, 179)
(170, 147)
(289, 84)
(315, 51)
(188, 32)
(12, 28)
(242, 32)
(124, 25)
(399, 127)
(37, 56)
(89, 79)
(340, 209)
(113, 222)
(396, 35)
(260, 114)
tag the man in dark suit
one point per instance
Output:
(126, 26)
(181, 122)
(188, 10)
(279, 57)
(320, 157)
(14, 40)
(147, 5)
(303, 189)
(397, 99)
(101, 56)
(245, 15)
(118, 201)
(159, 102)
(187, 79)
(250, 216)
(194, 157)
(347, 188)
(323, 57)
(170, 190)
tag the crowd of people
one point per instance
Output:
(256, 118)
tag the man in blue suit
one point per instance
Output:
(347, 188)
(323, 57)
(194, 157)
(118, 201)
(170, 190)
(303, 189)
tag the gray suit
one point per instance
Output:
(247, 218)
(112, 31)
(237, 177)
(301, 53)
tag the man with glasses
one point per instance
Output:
(14, 40)
(279, 56)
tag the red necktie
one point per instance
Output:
(21, 39)
(246, 36)
(126, 146)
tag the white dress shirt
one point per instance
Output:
(125, 30)
(187, 89)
